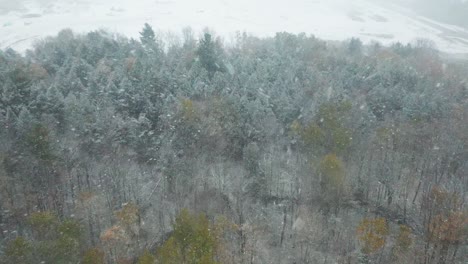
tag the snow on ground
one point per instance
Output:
(24, 21)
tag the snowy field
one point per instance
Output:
(24, 21)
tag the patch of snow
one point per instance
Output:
(327, 19)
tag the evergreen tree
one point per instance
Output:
(147, 36)
(208, 54)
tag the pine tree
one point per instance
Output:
(208, 54)
(147, 36)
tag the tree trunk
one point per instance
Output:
(284, 227)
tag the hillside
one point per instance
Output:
(283, 149)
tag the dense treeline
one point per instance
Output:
(286, 149)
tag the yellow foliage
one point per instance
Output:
(128, 214)
(188, 110)
(328, 131)
(193, 241)
(146, 258)
(341, 139)
(313, 135)
(372, 233)
(296, 128)
(170, 253)
(17, 250)
(93, 256)
(333, 170)
(224, 224)
(331, 114)
(42, 222)
(384, 133)
(70, 228)
(404, 240)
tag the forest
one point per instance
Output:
(189, 150)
